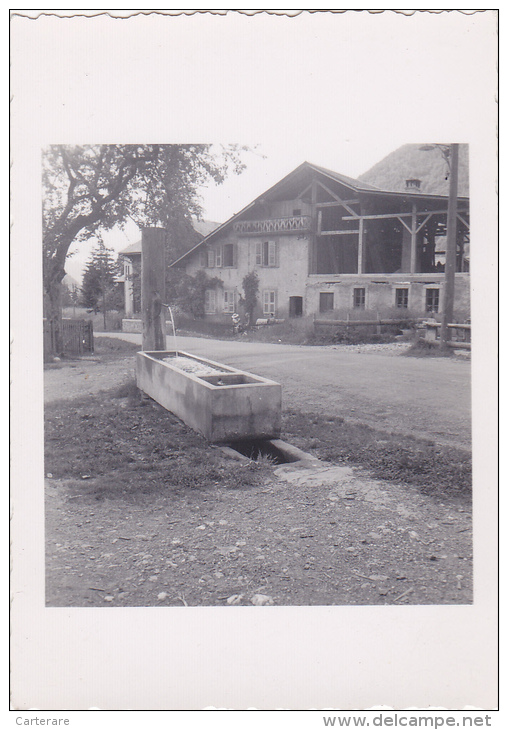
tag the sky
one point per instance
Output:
(341, 90)
(264, 167)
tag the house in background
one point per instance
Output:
(320, 241)
(132, 267)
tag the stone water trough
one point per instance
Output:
(222, 403)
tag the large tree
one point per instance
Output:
(96, 187)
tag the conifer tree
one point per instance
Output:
(99, 280)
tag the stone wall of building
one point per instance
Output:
(287, 278)
(382, 294)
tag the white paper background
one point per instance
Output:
(340, 90)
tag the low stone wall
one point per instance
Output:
(135, 326)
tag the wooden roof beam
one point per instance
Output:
(342, 204)
(381, 216)
(419, 228)
(305, 190)
(337, 233)
(337, 198)
(466, 223)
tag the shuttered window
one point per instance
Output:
(209, 301)
(271, 253)
(229, 255)
(211, 258)
(218, 257)
(267, 253)
(229, 301)
(269, 302)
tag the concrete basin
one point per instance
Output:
(222, 403)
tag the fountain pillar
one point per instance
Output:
(153, 288)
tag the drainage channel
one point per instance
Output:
(274, 451)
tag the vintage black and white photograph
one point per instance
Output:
(261, 260)
(269, 410)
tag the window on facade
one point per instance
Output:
(401, 298)
(229, 301)
(325, 301)
(269, 302)
(228, 254)
(209, 301)
(203, 258)
(297, 211)
(432, 300)
(211, 258)
(359, 298)
(267, 254)
(218, 257)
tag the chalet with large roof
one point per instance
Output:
(321, 241)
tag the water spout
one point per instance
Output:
(173, 327)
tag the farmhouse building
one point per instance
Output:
(320, 241)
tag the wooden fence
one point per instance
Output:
(377, 325)
(364, 322)
(461, 334)
(77, 338)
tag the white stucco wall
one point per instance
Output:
(288, 278)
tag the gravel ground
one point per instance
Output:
(308, 537)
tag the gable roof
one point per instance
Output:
(357, 186)
(349, 182)
(132, 248)
(204, 228)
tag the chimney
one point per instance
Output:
(413, 185)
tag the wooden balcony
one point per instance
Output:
(292, 224)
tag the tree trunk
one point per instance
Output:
(54, 272)
(104, 304)
(53, 314)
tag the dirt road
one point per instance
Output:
(427, 397)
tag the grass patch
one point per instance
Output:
(109, 348)
(204, 328)
(437, 470)
(292, 331)
(424, 348)
(106, 349)
(352, 336)
(119, 445)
